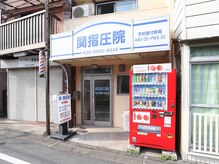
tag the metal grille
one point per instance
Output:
(22, 32)
(205, 133)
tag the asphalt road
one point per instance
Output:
(22, 148)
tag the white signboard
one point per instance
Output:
(61, 108)
(103, 37)
(61, 45)
(28, 61)
(112, 36)
(151, 35)
(152, 68)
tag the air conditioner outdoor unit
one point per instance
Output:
(80, 11)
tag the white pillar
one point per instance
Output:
(0, 16)
(185, 112)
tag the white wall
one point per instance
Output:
(146, 10)
(196, 19)
(179, 21)
(121, 101)
(26, 93)
(21, 97)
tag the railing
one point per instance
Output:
(21, 32)
(24, 31)
(205, 133)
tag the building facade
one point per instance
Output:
(22, 36)
(102, 65)
(197, 55)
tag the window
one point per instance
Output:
(98, 70)
(125, 5)
(105, 8)
(115, 6)
(122, 84)
(204, 95)
(205, 77)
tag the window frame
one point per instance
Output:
(104, 3)
(198, 61)
(117, 82)
(113, 2)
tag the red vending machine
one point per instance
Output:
(153, 106)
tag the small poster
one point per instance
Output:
(61, 108)
(167, 121)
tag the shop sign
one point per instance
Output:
(103, 37)
(112, 36)
(61, 46)
(61, 108)
(28, 61)
(151, 35)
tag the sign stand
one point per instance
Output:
(63, 133)
(61, 115)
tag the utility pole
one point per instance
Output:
(47, 55)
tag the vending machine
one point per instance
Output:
(153, 106)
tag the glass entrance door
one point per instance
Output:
(102, 100)
(97, 100)
(87, 102)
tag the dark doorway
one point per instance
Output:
(4, 103)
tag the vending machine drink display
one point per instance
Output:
(152, 106)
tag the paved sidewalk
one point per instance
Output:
(100, 142)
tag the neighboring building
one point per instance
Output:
(21, 39)
(196, 32)
(101, 60)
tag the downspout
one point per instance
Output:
(66, 75)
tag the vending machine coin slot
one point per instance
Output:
(161, 114)
(169, 136)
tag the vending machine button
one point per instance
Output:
(154, 116)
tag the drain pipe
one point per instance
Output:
(66, 75)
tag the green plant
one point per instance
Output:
(164, 157)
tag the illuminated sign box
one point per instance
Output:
(112, 36)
